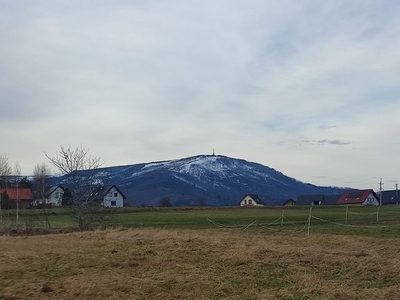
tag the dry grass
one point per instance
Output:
(198, 264)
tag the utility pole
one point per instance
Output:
(17, 174)
(397, 198)
(380, 192)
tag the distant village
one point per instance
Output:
(348, 197)
(24, 197)
(42, 191)
(112, 197)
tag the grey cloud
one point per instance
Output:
(326, 127)
(327, 142)
(167, 79)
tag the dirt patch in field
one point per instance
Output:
(197, 264)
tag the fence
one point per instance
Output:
(336, 220)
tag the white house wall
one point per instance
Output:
(113, 195)
(245, 202)
(55, 197)
(371, 200)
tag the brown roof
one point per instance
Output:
(355, 196)
(24, 194)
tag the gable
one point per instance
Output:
(253, 198)
(289, 202)
(366, 197)
(54, 189)
(371, 200)
(114, 189)
(103, 191)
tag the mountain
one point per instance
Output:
(206, 179)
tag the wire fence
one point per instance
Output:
(348, 220)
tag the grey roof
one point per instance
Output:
(309, 199)
(331, 199)
(390, 197)
(99, 193)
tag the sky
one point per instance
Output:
(309, 88)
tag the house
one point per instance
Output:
(359, 197)
(310, 199)
(318, 199)
(289, 202)
(391, 197)
(23, 196)
(331, 199)
(251, 200)
(108, 196)
(54, 195)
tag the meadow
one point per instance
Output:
(208, 253)
(352, 220)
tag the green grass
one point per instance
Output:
(366, 221)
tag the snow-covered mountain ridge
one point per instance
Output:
(210, 179)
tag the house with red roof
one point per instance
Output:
(359, 197)
(24, 196)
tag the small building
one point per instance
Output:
(310, 199)
(108, 196)
(54, 195)
(331, 199)
(22, 196)
(251, 200)
(359, 197)
(289, 202)
(318, 199)
(390, 197)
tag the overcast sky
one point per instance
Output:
(309, 88)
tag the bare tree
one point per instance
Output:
(5, 169)
(165, 202)
(79, 170)
(5, 172)
(41, 174)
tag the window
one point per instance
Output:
(113, 203)
(57, 195)
(245, 201)
(115, 194)
(250, 202)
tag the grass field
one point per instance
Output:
(198, 264)
(207, 253)
(365, 221)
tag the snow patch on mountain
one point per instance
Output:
(219, 180)
(201, 165)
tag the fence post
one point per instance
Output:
(309, 222)
(347, 212)
(283, 214)
(377, 215)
